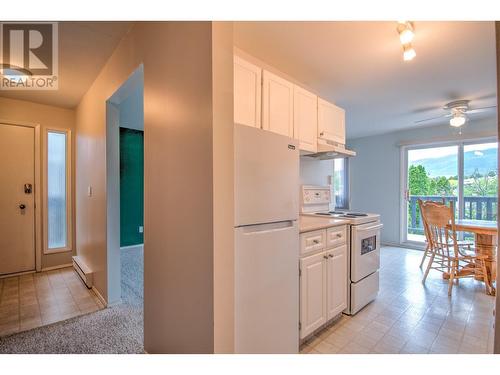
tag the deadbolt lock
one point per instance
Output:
(28, 188)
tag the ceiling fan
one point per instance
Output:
(458, 112)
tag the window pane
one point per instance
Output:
(432, 175)
(340, 187)
(56, 190)
(480, 181)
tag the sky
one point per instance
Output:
(438, 152)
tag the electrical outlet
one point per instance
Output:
(141, 229)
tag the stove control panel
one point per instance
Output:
(315, 198)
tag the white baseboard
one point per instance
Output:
(101, 298)
(403, 245)
(133, 247)
(57, 267)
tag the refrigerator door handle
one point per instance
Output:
(267, 227)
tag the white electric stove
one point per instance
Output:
(364, 245)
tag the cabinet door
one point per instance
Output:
(313, 308)
(247, 93)
(331, 122)
(277, 104)
(305, 119)
(336, 281)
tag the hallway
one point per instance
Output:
(117, 329)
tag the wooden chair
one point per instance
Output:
(446, 255)
(424, 225)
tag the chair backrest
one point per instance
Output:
(424, 223)
(439, 225)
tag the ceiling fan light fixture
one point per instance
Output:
(406, 33)
(457, 120)
(408, 53)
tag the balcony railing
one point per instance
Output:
(478, 208)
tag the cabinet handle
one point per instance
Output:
(325, 256)
(339, 235)
(316, 242)
(330, 255)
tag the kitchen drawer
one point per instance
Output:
(312, 241)
(336, 236)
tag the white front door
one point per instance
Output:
(17, 206)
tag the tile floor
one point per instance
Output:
(33, 300)
(408, 317)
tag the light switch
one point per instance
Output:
(141, 229)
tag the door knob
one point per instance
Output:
(22, 206)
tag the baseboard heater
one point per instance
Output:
(84, 271)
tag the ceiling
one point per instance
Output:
(84, 48)
(359, 66)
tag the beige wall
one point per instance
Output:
(223, 186)
(47, 117)
(180, 215)
(497, 316)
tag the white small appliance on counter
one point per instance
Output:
(364, 245)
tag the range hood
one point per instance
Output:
(329, 150)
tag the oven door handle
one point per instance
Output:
(374, 227)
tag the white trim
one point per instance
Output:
(141, 245)
(98, 294)
(66, 265)
(37, 191)
(69, 193)
(450, 139)
(404, 245)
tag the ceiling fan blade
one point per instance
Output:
(478, 110)
(433, 118)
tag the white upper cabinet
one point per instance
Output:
(247, 93)
(305, 119)
(331, 122)
(277, 104)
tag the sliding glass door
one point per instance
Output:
(465, 173)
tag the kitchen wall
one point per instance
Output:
(375, 173)
(188, 231)
(316, 172)
(47, 117)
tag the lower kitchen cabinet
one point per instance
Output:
(323, 288)
(313, 293)
(336, 271)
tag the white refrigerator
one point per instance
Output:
(266, 242)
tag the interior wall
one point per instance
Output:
(316, 172)
(178, 174)
(47, 117)
(375, 173)
(496, 348)
(223, 186)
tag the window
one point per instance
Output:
(57, 196)
(341, 183)
(462, 172)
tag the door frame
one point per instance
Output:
(38, 188)
(460, 143)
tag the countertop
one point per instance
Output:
(310, 223)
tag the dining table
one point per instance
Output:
(485, 242)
